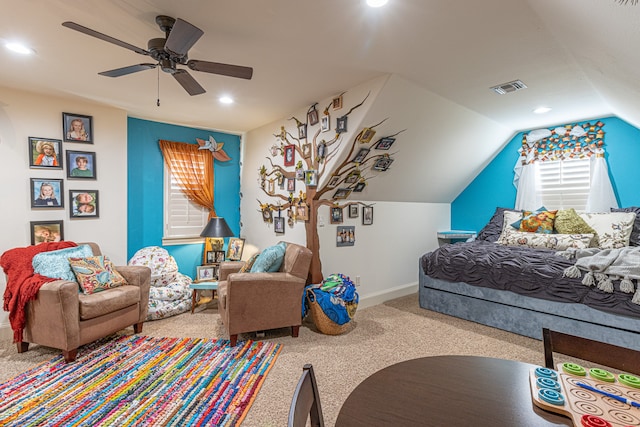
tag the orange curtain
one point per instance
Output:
(193, 170)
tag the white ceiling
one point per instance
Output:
(577, 56)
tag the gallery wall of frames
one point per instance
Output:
(72, 157)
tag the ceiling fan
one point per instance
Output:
(168, 52)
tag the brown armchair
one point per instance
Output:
(61, 317)
(251, 302)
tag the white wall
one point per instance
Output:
(385, 254)
(24, 115)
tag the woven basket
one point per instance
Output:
(321, 320)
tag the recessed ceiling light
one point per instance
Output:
(226, 100)
(376, 3)
(542, 110)
(19, 48)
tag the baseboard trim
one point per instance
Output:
(387, 295)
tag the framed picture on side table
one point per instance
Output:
(206, 272)
(234, 250)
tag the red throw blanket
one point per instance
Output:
(22, 283)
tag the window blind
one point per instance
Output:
(564, 184)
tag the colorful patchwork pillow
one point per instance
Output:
(249, 264)
(539, 221)
(55, 264)
(96, 274)
(270, 259)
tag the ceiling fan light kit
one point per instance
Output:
(169, 52)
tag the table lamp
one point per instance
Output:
(216, 227)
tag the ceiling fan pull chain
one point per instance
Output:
(158, 100)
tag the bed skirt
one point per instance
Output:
(525, 315)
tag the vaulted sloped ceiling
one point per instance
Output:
(576, 56)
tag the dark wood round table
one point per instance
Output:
(465, 391)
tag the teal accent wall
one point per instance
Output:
(145, 187)
(493, 187)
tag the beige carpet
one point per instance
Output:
(380, 336)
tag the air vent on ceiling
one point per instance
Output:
(505, 88)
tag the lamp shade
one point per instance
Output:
(216, 227)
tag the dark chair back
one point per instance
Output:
(621, 358)
(306, 401)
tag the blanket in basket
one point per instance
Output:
(604, 266)
(337, 297)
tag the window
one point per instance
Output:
(564, 184)
(184, 220)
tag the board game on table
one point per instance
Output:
(590, 397)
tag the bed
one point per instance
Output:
(508, 282)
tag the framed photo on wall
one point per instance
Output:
(341, 124)
(81, 164)
(302, 212)
(302, 131)
(234, 250)
(278, 224)
(45, 153)
(46, 231)
(346, 235)
(289, 155)
(336, 215)
(367, 135)
(353, 211)
(47, 193)
(325, 123)
(384, 143)
(77, 128)
(83, 204)
(367, 215)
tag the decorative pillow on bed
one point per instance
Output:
(614, 229)
(569, 222)
(96, 274)
(559, 242)
(634, 239)
(538, 221)
(491, 231)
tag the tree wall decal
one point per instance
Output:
(311, 161)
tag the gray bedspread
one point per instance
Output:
(536, 273)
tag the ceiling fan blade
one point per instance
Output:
(188, 82)
(223, 69)
(127, 70)
(104, 37)
(182, 37)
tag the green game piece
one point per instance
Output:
(602, 375)
(574, 369)
(629, 380)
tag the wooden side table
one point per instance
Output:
(199, 286)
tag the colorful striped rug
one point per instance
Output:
(141, 381)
